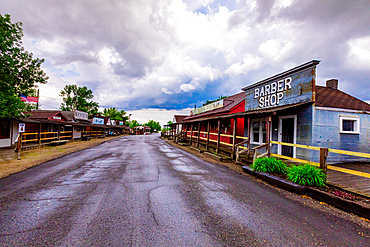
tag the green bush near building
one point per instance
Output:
(307, 175)
(269, 165)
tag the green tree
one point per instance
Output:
(78, 98)
(169, 123)
(134, 123)
(113, 113)
(154, 126)
(19, 71)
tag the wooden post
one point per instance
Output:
(11, 132)
(72, 132)
(323, 155)
(218, 136)
(249, 135)
(39, 134)
(19, 145)
(234, 138)
(268, 121)
(208, 130)
(58, 132)
(191, 133)
(198, 135)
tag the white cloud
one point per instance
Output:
(359, 53)
(187, 87)
(249, 63)
(170, 53)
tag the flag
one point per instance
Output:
(29, 98)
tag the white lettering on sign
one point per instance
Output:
(271, 94)
(57, 118)
(209, 107)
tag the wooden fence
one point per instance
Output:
(238, 148)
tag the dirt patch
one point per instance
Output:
(38, 156)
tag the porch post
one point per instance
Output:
(72, 132)
(19, 144)
(218, 136)
(191, 133)
(249, 135)
(323, 157)
(268, 124)
(39, 134)
(58, 132)
(198, 135)
(234, 138)
(207, 136)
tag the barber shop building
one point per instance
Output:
(302, 112)
(289, 108)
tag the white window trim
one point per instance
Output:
(260, 120)
(353, 118)
(281, 134)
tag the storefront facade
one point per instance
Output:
(306, 114)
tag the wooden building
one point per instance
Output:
(287, 115)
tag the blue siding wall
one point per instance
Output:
(304, 129)
(326, 133)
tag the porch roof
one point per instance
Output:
(262, 112)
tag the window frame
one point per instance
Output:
(356, 120)
(260, 131)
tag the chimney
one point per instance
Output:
(332, 83)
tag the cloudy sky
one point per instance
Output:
(157, 58)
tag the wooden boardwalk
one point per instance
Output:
(351, 182)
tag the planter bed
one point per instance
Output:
(360, 207)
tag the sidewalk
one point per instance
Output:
(354, 177)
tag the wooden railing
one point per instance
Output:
(323, 157)
(241, 148)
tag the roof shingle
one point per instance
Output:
(328, 97)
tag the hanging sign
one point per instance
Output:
(98, 120)
(22, 127)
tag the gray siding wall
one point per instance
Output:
(326, 133)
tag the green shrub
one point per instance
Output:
(269, 165)
(307, 175)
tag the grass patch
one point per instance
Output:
(307, 175)
(269, 165)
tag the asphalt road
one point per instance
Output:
(141, 191)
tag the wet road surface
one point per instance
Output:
(141, 191)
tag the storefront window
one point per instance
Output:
(258, 135)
